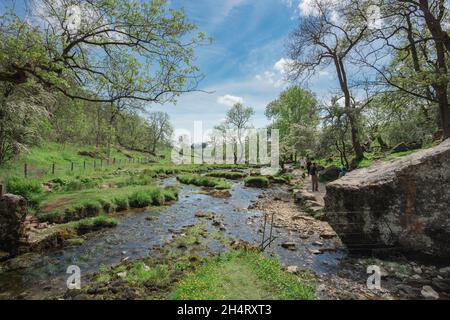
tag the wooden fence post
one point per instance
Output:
(84, 165)
(2, 190)
(53, 168)
(71, 166)
(25, 170)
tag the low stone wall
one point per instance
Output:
(402, 204)
(13, 210)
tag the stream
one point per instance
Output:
(135, 236)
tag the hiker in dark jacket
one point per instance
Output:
(314, 177)
(308, 165)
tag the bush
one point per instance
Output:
(140, 199)
(30, 189)
(121, 203)
(170, 194)
(257, 182)
(94, 224)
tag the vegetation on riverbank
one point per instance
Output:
(204, 181)
(232, 175)
(257, 182)
(64, 207)
(243, 275)
(177, 271)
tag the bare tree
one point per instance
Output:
(326, 37)
(410, 53)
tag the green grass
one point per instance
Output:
(257, 182)
(40, 159)
(232, 175)
(243, 275)
(30, 189)
(65, 207)
(204, 181)
(94, 224)
(158, 275)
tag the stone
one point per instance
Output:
(402, 203)
(4, 256)
(445, 270)
(292, 269)
(122, 274)
(429, 293)
(329, 174)
(301, 196)
(401, 147)
(13, 211)
(288, 245)
(417, 270)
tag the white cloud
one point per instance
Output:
(229, 100)
(311, 7)
(283, 65)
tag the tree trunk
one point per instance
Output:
(349, 109)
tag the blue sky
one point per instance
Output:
(244, 62)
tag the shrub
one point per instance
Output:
(157, 197)
(121, 203)
(94, 224)
(30, 189)
(257, 182)
(140, 199)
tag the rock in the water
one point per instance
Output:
(429, 293)
(292, 269)
(288, 245)
(402, 203)
(13, 211)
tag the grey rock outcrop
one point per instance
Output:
(404, 203)
(13, 210)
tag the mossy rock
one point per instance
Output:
(257, 182)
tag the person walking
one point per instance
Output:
(314, 177)
(308, 165)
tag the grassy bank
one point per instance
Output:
(70, 206)
(178, 271)
(243, 275)
(204, 181)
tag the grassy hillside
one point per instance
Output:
(40, 160)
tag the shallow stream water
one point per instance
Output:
(136, 235)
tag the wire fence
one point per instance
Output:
(71, 168)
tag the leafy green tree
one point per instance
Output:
(238, 118)
(141, 48)
(296, 115)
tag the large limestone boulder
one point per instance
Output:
(404, 203)
(13, 211)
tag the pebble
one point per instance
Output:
(292, 269)
(429, 293)
(417, 270)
